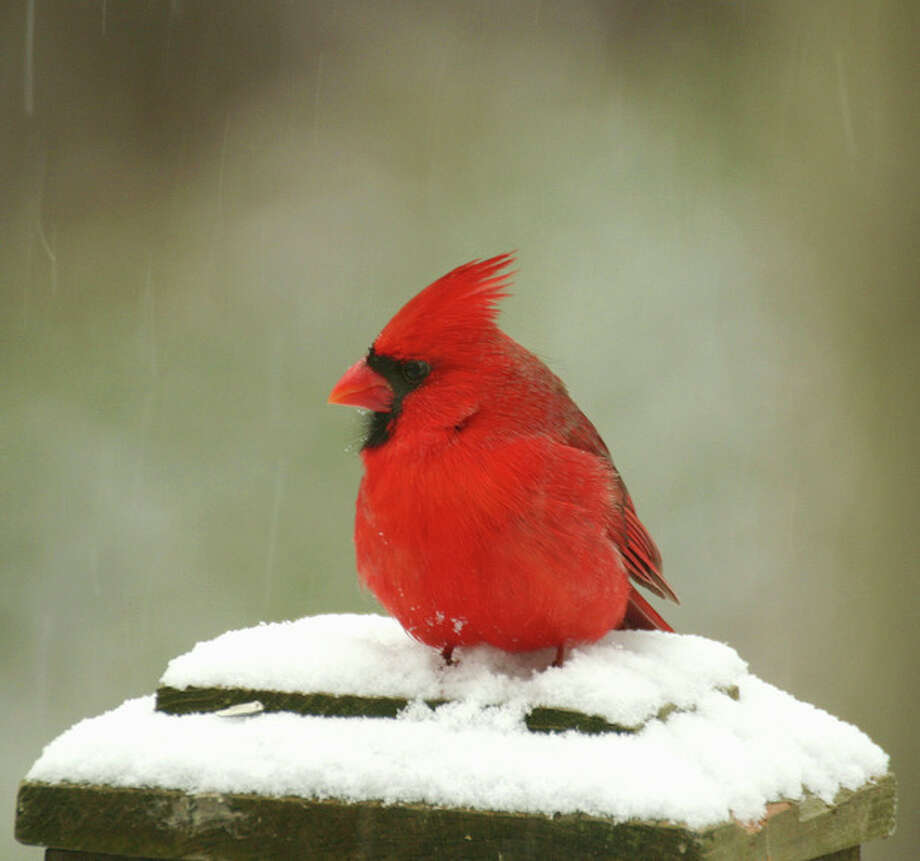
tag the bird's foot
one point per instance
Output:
(448, 654)
(559, 660)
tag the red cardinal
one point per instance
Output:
(490, 510)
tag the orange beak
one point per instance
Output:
(361, 386)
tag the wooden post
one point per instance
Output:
(95, 823)
(160, 823)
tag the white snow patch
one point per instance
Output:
(701, 766)
(626, 677)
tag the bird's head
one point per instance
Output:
(427, 356)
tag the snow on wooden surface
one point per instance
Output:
(712, 758)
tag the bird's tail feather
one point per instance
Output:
(641, 616)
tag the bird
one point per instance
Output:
(490, 510)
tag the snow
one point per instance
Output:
(373, 656)
(713, 758)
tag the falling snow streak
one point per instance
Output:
(47, 244)
(843, 95)
(28, 76)
(220, 174)
(277, 499)
(218, 225)
(150, 319)
(317, 88)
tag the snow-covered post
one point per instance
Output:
(339, 737)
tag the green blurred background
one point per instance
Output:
(208, 210)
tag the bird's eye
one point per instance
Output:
(415, 370)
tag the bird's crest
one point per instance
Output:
(457, 306)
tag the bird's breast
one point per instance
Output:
(509, 540)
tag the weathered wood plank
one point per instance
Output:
(811, 828)
(157, 823)
(851, 854)
(180, 701)
(71, 855)
(170, 824)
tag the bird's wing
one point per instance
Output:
(639, 551)
(643, 561)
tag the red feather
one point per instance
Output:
(640, 615)
(490, 510)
